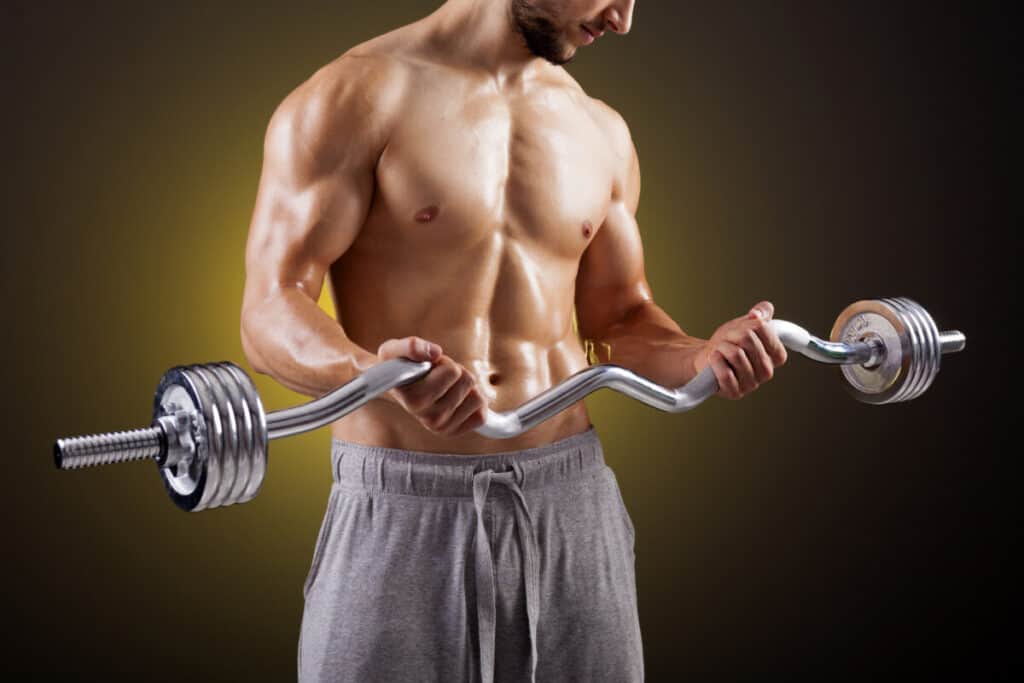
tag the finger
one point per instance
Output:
(424, 393)
(728, 387)
(471, 405)
(758, 356)
(774, 347)
(413, 348)
(440, 414)
(475, 419)
(736, 356)
(762, 309)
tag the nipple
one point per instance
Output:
(587, 229)
(427, 214)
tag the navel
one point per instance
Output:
(494, 378)
(587, 229)
(427, 214)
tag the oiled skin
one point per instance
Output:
(440, 201)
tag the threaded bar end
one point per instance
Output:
(108, 448)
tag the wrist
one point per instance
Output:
(696, 356)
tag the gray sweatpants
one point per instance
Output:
(510, 567)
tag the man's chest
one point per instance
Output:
(457, 170)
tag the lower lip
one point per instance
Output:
(587, 37)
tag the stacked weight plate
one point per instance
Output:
(913, 349)
(221, 455)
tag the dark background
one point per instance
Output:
(809, 153)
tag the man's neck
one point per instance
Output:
(481, 33)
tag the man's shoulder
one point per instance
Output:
(360, 90)
(620, 141)
(612, 123)
(370, 74)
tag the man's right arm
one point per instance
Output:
(315, 189)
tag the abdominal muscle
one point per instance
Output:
(512, 330)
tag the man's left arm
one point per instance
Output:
(616, 312)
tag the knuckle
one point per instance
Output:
(416, 404)
(447, 373)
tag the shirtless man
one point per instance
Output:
(466, 199)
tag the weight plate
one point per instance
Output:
(260, 452)
(214, 437)
(862, 320)
(228, 446)
(928, 350)
(912, 352)
(243, 418)
(187, 483)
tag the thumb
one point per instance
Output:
(763, 309)
(413, 348)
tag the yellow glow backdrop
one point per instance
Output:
(807, 153)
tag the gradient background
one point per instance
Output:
(808, 153)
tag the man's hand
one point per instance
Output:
(743, 352)
(446, 400)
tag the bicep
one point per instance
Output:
(299, 229)
(314, 193)
(611, 279)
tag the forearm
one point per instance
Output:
(648, 342)
(290, 338)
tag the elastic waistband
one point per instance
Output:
(422, 473)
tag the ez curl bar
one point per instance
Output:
(209, 434)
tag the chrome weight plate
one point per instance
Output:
(187, 479)
(258, 453)
(220, 416)
(225, 448)
(910, 360)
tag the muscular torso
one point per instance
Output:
(484, 203)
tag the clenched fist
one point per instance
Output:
(446, 400)
(743, 352)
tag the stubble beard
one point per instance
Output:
(543, 38)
